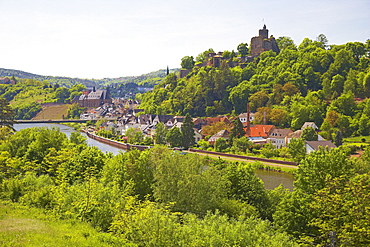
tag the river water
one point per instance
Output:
(271, 179)
(68, 130)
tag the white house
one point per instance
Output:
(278, 137)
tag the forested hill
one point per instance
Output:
(63, 81)
(309, 82)
(147, 80)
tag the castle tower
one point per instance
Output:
(263, 43)
(264, 32)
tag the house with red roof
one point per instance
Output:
(258, 133)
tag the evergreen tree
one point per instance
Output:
(237, 130)
(187, 130)
(6, 114)
(338, 140)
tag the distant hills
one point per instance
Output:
(146, 80)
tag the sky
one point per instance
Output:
(97, 39)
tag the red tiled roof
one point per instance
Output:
(259, 131)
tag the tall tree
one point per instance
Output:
(187, 130)
(237, 130)
(322, 39)
(6, 114)
(174, 137)
(160, 133)
(338, 139)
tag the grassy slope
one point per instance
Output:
(53, 112)
(23, 226)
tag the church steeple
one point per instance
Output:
(167, 71)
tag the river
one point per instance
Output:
(271, 179)
(68, 130)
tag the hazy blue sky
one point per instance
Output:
(113, 38)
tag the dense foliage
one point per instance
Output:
(159, 197)
(156, 197)
(163, 198)
(309, 82)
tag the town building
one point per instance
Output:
(312, 146)
(278, 137)
(93, 98)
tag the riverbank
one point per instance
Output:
(264, 164)
(114, 143)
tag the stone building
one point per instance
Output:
(263, 43)
(94, 98)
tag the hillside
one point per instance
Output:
(311, 82)
(57, 111)
(148, 80)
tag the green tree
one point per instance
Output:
(191, 182)
(82, 167)
(337, 85)
(297, 149)
(243, 49)
(285, 43)
(203, 144)
(187, 130)
(239, 96)
(75, 111)
(6, 114)
(309, 134)
(322, 39)
(134, 135)
(227, 54)
(237, 130)
(187, 62)
(160, 133)
(293, 214)
(314, 171)
(247, 187)
(203, 56)
(220, 145)
(338, 139)
(174, 137)
(61, 94)
(258, 99)
(242, 144)
(341, 207)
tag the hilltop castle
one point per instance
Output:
(263, 43)
(258, 45)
